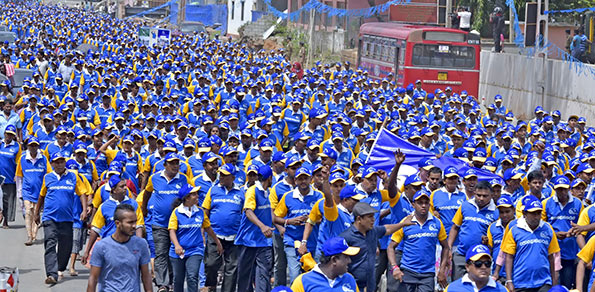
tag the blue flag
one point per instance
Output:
(382, 156)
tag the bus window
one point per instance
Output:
(426, 55)
(388, 55)
(395, 60)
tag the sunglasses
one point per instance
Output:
(478, 264)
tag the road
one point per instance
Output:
(29, 260)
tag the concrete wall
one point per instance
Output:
(557, 35)
(528, 82)
(235, 9)
(329, 41)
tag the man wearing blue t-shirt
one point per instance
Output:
(56, 197)
(470, 223)
(331, 273)
(417, 268)
(477, 278)
(530, 246)
(119, 260)
(223, 205)
(160, 192)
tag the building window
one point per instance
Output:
(340, 22)
(233, 9)
(242, 13)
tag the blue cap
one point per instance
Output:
(350, 191)
(512, 174)
(114, 180)
(338, 245)
(266, 145)
(278, 156)
(56, 156)
(79, 146)
(413, 179)
(33, 140)
(532, 204)
(329, 152)
(450, 171)
(169, 145)
(186, 190)
(114, 168)
(291, 160)
(497, 182)
(188, 142)
(227, 150)
(265, 171)
(72, 164)
(575, 183)
(130, 138)
(252, 168)
(209, 157)
(171, 157)
(336, 176)
(368, 171)
(358, 160)
(301, 136)
(469, 173)
(227, 169)
(215, 140)
(476, 252)
(426, 163)
(303, 171)
(337, 135)
(421, 193)
(204, 144)
(584, 167)
(11, 129)
(504, 201)
(480, 154)
(561, 181)
(427, 131)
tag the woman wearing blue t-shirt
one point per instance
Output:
(187, 244)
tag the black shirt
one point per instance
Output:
(362, 264)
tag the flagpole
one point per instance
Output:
(376, 139)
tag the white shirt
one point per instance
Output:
(465, 19)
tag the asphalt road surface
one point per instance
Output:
(29, 260)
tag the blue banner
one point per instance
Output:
(382, 156)
(579, 10)
(545, 45)
(332, 11)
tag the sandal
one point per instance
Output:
(74, 273)
(163, 289)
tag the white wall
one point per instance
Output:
(528, 82)
(233, 24)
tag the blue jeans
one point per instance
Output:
(256, 266)
(293, 263)
(188, 268)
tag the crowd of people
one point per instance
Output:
(206, 163)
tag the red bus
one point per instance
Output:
(437, 56)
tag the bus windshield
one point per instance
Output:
(443, 55)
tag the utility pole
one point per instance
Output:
(447, 14)
(511, 32)
(542, 5)
(311, 38)
(181, 11)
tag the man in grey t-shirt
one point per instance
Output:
(120, 261)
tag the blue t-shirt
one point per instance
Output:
(120, 263)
